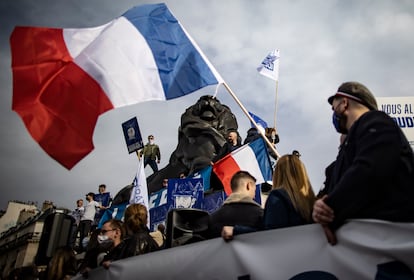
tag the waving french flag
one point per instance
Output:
(252, 157)
(63, 79)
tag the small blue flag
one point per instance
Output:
(260, 122)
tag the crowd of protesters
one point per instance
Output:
(374, 157)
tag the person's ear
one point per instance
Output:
(346, 102)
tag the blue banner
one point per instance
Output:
(213, 201)
(185, 193)
(114, 212)
(158, 198)
(103, 199)
(158, 216)
(205, 175)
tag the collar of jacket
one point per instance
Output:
(238, 197)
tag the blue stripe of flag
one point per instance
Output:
(181, 67)
(262, 157)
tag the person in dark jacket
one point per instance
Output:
(291, 200)
(252, 134)
(239, 208)
(234, 141)
(289, 203)
(373, 173)
(113, 233)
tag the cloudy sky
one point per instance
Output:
(322, 44)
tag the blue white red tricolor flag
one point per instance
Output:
(252, 157)
(63, 79)
(270, 65)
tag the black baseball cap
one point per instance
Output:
(358, 92)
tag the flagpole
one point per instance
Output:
(274, 122)
(272, 147)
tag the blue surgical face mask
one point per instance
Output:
(339, 122)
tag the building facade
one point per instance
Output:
(19, 243)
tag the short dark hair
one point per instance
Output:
(161, 227)
(239, 175)
(117, 224)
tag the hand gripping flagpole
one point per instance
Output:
(272, 147)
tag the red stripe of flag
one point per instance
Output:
(225, 169)
(54, 97)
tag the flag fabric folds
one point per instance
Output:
(270, 65)
(260, 122)
(63, 79)
(113, 212)
(252, 157)
(204, 174)
(139, 193)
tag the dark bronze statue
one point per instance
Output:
(202, 133)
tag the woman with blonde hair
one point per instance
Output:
(290, 203)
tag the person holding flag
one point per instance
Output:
(273, 137)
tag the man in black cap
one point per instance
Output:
(373, 176)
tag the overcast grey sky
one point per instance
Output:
(322, 44)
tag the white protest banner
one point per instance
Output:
(365, 249)
(401, 109)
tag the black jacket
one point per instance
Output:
(236, 210)
(373, 176)
(138, 243)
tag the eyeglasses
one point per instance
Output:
(103, 231)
